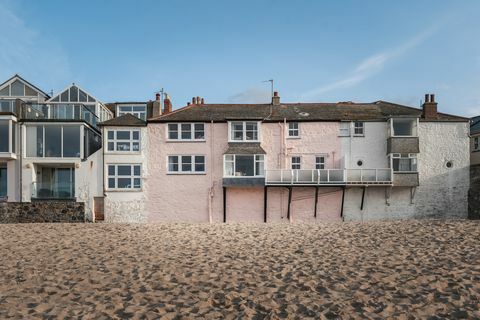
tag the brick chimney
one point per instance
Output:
(167, 105)
(429, 107)
(275, 99)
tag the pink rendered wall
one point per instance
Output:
(184, 198)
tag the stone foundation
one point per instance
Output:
(42, 211)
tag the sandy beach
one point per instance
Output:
(405, 270)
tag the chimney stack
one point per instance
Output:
(157, 97)
(275, 99)
(429, 107)
(167, 105)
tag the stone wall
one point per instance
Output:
(474, 193)
(42, 211)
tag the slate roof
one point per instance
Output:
(244, 148)
(127, 120)
(341, 111)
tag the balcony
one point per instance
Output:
(405, 179)
(57, 112)
(334, 177)
(403, 145)
(53, 191)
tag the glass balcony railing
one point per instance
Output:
(328, 176)
(53, 190)
(60, 112)
(7, 106)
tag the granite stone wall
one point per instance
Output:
(42, 211)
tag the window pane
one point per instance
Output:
(199, 163)
(173, 163)
(136, 135)
(111, 170)
(139, 108)
(259, 168)
(111, 134)
(136, 170)
(64, 96)
(4, 136)
(124, 183)
(136, 183)
(14, 132)
(229, 167)
(237, 131)
(186, 163)
(73, 94)
(403, 127)
(123, 135)
(34, 141)
(186, 131)
(123, 146)
(17, 88)
(244, 165)
(135, 146)
(111, 183)
(251, 131)
(71, 141)
(53, 141)
(199, 131)
(111, 146)
(82, 96)
(172, 131)
(124, 170)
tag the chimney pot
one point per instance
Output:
(427, 96)
(432, 98)
(167, 106)
(193, 100)
(203, 101)
(198, 100)
(275, 93)
(188, 103)
(275, 99)
(157, 97)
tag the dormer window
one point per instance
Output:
(139, 111)
(244, 131)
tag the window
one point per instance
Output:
(404, 162)
(344, 129)
(237, 165)
(320, 162)
(186, 164)
(139, 111)
(293, 131)
(243, 131)
(186, 131)
(475, 143)
(17, 88)
(123, 140)
(3, 182)
(404, 127)
(296, 163)
(54, 141)
(4, 136)
(358, 127)
(124, 176)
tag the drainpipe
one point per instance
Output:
(20, 127)
(210, 191)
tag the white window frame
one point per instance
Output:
(475, 144)
(12, 139)
(320, 163)
(192, 164)
(62, 125)
(399, 156)
(261, 159)
(414, 129)
(361, 127)
(344, 129)
(179, 131)
(295, 164)
(294, 130)
(131, 141)
(137, 114)
(132, 176)
(244, 131)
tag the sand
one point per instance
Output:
(404, 270)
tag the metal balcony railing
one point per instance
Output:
(59, 112)
(328, 176)
(63, 190)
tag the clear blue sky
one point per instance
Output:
(222, 50)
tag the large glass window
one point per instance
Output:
(4, 136)
(244, 131)
(186, 164)
(404, 127)
(17, 89)
(186, 131)
(139, 111)
(123, 140)
(124, 176)
(236, 165)
(404, 162)
(53, 141)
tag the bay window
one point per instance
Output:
(186, 131)
(186, 164)
(124, 176)
(236, 165)
(123, 140)
(55, 141)
(244, 131)
(404, 162)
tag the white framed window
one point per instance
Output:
(401, 127)
(53, 141)
(320, 162)
(296, 163)
(344, 129)
(123, 140)
(293, 130)
(244, 131)
(8, 131)
(186, 164)
(239, 165)
(139, 111)
(359, 128)
(404, 162)
(475, 144)
(124, 176)
(186, 131)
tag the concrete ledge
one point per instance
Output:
(403, 145)
(243, 182)
(42, 211)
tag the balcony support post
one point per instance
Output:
(265, 194)
(412, 194)
(224, 204)
(289, 202)
(363, 198)
(343, 201)
(316, 202)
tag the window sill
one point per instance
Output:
(186, 173)
(404, 136)
(124, 190)
(405, 172)
(244, 141)
(359, 135)
(293, 137)
(242, 177)
(184, 140)
(123, 152)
